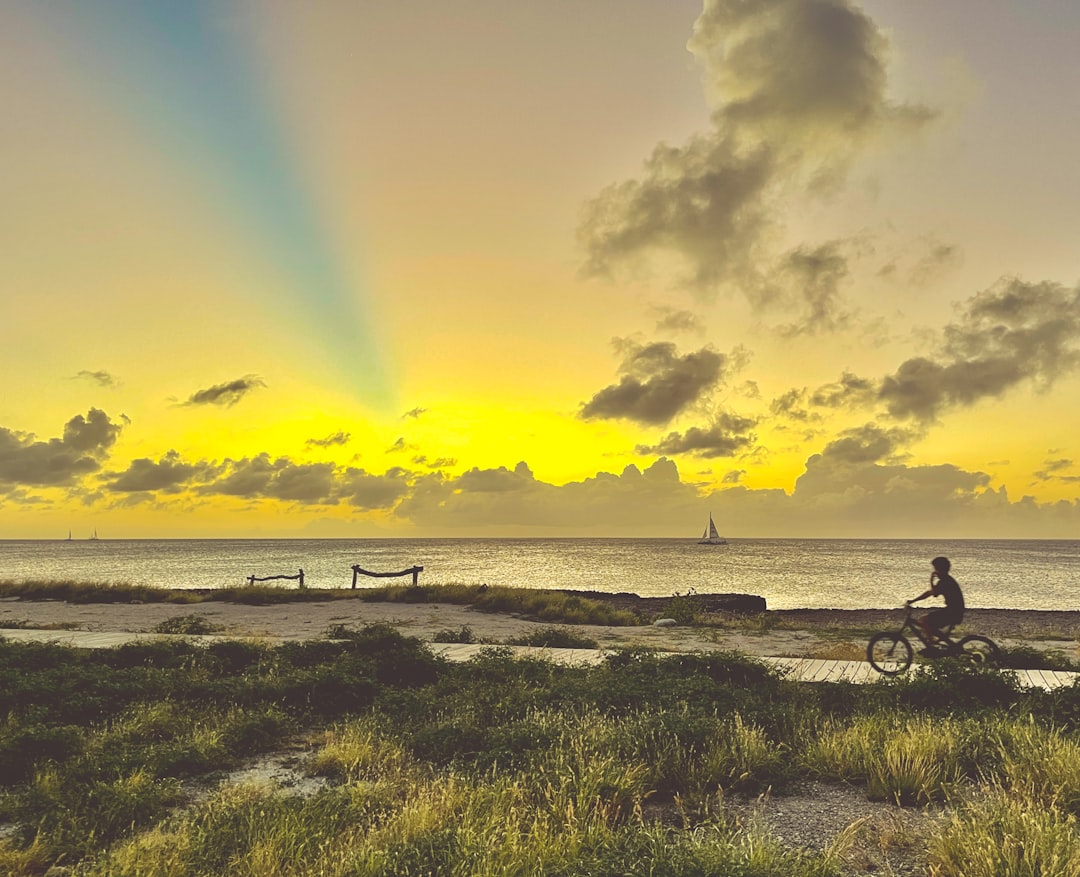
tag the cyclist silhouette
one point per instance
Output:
(941, 585)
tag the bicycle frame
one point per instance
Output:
(890, 652)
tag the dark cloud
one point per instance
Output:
(851, 391)
(657, 383)
(727, 436)
(1011, 334)
(868, 444)
(169, 474)
(792, 406)
(734, 476)
(82, 449)
(501, 500)
(414, 413)
(399, 445)
(779, 130)
(368, 491)
(101, 378)
(338, 438)
(438, 463)
(1055, 470)
(811, 277)
(673, 321)
(227, 394)
(261, 477)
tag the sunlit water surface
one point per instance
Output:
(788, 573)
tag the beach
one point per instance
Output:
(781, 633)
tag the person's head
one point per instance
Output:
(941, 565)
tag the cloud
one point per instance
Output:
(414, 413)
(84, 446)
(673, 320)
(438, 463)
(502, 499)
(338, 438)
(281, 478)
(778, 131)
(169, 474)
(263, 478)
(101, 378)
(1011, 334)
(658, 384)
(227, 394)
(727, 436)
(812, 276)
(1054, 470)
(850, 391)
(792, 406)
(369, 491)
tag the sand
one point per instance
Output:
(820, 633)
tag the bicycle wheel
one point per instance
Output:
(980, 650)
(889, 653)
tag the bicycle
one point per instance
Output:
(890, 652)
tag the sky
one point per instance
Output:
(358, 269)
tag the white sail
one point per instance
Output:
(711, 536)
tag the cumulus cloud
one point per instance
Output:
(169, 474)
(369, 491)
(502, 499)
(778, 131)
(657, 383)
(1011, 334)
(728, 435)
(263, 478)
(330, 441)
(227, 394)
(281, 478)
(101, 378)
(85, 444)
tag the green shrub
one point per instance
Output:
(193, 625)
(555, 638)
(464, 635)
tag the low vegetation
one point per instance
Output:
(111, 761)
(555, 607)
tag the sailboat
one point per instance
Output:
(93, 537)
(710, 536)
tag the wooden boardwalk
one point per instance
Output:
(798, 669)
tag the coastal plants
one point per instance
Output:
(463, 635)
(191, 625)
(1005, 835)
(555, 637)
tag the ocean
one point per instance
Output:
(788, 573)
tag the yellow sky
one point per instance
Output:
(349, 269)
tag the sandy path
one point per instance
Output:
(801, 633)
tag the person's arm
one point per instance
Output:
(929, 592)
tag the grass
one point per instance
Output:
(538, 605)
(502, 766)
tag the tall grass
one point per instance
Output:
(538, 604)
(1006, 836)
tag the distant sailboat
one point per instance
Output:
(93, 537)
(711, 536)
(69, 536)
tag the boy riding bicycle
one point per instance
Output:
(941, 585)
